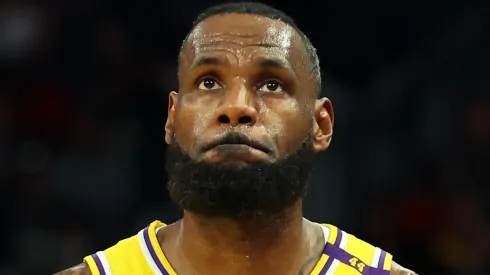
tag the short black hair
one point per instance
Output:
(256, 8)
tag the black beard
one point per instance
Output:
(259, 189)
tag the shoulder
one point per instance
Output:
(397, 269)
(81, 269)
(366, 252)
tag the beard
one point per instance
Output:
(258, 189)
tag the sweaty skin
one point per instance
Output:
(243, 56)
(234, 67)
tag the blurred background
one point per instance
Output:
(83, 102)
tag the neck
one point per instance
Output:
(247, 235)
(253, 246)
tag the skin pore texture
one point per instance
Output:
(248, 77)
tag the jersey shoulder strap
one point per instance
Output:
(129, 256)
(350, 254)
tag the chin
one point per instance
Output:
(233, 183)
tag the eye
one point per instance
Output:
(208, 84)
(272, 86)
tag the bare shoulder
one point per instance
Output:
(397, 269)
(81, 269)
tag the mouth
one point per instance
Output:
(251, 144)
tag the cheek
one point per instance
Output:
(288, 123)
(271, 121)
(191, 122)
(293, 135)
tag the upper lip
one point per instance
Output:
(254, 144)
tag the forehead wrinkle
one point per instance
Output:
(261, 57)
(241, 43)
(211, 35)
(235, 38)
(234, 33)
(224, 45)
(271, 33)
(220, 43)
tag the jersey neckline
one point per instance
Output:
(159, 263)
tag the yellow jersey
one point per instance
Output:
(344, 254)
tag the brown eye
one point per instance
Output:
(271, 86)
(208, 84)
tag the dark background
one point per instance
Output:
(83, 102)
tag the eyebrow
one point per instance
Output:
(275, 63)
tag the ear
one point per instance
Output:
(322, 124)
(169, 125)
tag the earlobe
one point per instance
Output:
(169, 125)
(323, 124)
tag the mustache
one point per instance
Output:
(237, 138)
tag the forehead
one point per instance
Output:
(246, 36)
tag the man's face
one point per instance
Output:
(245, 121)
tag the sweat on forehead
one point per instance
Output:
(246, 34)
(244, 30)
(240, 24)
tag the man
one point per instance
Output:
(243, 129)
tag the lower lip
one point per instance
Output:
(239, 152)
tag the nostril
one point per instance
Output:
(224, 119)
(245, 120)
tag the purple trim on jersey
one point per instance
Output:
(340, 233)
(344, 257)
(382, 258)
(98, 263)
(379, 270)
(153, 254)
(327, 266)
(335, 252)
(328, 250)
(336, 244)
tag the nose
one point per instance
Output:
(237, 108)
